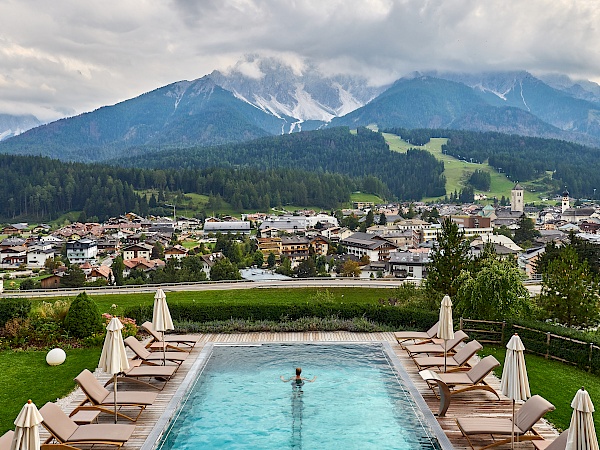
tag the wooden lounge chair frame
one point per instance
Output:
(139, 369)
(424, 336)
(153, 357)
(534, 408)
(459, 361)
(52, 409)
(451, 384)
(178, 342)
(100, 398)
(437, 349)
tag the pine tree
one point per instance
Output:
(449, 258)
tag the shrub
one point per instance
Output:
(56, 311)
(83, 318)
(130, 328)
(12, 308)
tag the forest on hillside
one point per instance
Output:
(521, 158)
(320, 169)
(409, 176)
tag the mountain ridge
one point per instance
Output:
(266, 97)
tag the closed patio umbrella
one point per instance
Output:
(27, 433)
(113, 359)
(515, 383)
(582, 433)
(161, 318)
(446, 326)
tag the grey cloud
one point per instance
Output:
(77, 56)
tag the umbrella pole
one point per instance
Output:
(512, 433)
(164, 349)
(115, 395)
(445, 354)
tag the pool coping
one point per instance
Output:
(163, 422)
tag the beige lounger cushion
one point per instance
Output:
(147, 355)
(461, 357)
(67, 431)
(557, 444)
(459, 336)
(432, 332)
(99, 395)
(151, 371)
(184, 338)
(6, 440)
(482, 425)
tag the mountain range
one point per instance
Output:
(13, 125)
(264, 97)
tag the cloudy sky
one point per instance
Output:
(59, 57)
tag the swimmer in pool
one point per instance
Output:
(298, 380)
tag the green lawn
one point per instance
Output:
(235, 297)
(364, 197)
(557, 383)
(25, 375)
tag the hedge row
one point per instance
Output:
(393, 316)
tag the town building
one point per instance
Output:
(82, 250)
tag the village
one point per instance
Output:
(398, 243)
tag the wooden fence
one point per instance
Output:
(586, 355)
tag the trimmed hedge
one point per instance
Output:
(12, 308)
(400, 318)
(83, 318)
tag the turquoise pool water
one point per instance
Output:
(239, 402)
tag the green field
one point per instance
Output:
(457, 172)
(233, 296)
(364, 197)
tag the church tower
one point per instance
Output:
(516, 198)
(565, 200)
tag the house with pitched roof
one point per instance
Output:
(377, 248)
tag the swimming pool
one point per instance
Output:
(359, 400)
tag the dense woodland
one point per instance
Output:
(409, 176)
(320, 169)
(521, 158)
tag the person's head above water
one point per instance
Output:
(298, 371)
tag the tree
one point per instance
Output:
(307, 269)
(286, 267)
(570, 291)
(117, 268)
(51, 264)
(271, 260)
(494, 292)
(382, 219)
(526, 231)
(158, 251)
(370, 219)
(449, 259)
(258, 258)
(350, 269)
(74, 278)
(223, 269)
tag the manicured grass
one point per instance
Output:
(556, 382)
(235, 297)
(25, 375)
